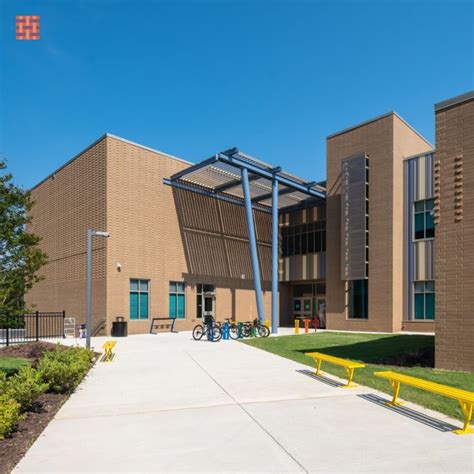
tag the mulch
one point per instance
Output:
(32, 350)
(14, 447)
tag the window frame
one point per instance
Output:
(303, 239)
(348, 301)
(177, 293)
(138, 292)
(425, 291)
(425, 212)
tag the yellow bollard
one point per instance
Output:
(267, 324)
(297, 326)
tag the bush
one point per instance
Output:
(9, 414)
(26, 387)
(3, 382)
(63, 370)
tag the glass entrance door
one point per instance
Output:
(206, 302)
(209, 305)
(302, 308)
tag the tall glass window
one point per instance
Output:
(303, 239)
(139, 299)
(424, 219)
(358, 299)
(177, 300)
(424, 300)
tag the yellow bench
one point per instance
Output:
(348, 365)
(108, 354)
(464, 397)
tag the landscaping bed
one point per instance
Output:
(410, 354)
(31, 392)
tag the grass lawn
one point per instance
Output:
(11, 365)
(378, 352)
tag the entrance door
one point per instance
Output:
(302, 308)
(206, 302)
(321, 311)
(209, 306)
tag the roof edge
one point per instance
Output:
(375, 119)
(143, 147)
(102, 137)
(418, 155)
(459, 99)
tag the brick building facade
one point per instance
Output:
(388, 250)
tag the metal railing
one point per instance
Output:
(30, 327)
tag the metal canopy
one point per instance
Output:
(221, 175)
(239, 178)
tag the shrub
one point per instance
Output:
(3, 382)
(9, 414)
(63, 370)
(26, 387)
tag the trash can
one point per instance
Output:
(119, 327)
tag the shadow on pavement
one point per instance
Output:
(409, 413)
(320, 378)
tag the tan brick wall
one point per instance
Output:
(157, 233)
(67, 204)
(386, 141)
(163, 234)
(454, 254)
(418, 326)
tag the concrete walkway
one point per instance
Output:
(167, 404)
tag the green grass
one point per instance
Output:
(11, 365)
(372, 349)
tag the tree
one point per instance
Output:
(20, 255)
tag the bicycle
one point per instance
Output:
(233, 328)
(260, 329)
(211, 330)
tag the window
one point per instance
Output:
(139, 299)
(303, 239)
(205, 300)
(424, 219)
(424, 300)
(358, 299)
(367, 216)
(177, 300)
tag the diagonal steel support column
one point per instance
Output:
(252, 244)
(275, 319)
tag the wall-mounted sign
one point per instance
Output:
(353, 218)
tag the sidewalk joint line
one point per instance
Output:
(248, 413)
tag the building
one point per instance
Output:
(367, 249)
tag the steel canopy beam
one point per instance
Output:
(238, 162)
(234, 183)
(194, 168)
(265, 196)
(209, 193)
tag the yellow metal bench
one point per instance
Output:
(108, 348)
(349, 365)
(464, 397)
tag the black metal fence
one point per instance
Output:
(32, 327)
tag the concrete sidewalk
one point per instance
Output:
(168, 403)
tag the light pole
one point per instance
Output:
(90, 233)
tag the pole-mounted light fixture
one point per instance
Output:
(90, 233)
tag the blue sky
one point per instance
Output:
(194, 77)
